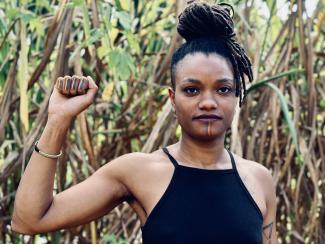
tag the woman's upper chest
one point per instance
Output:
(149, 184)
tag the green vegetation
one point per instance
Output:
(126, 47)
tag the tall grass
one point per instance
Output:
(126, 46)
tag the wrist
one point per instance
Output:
(58, 122)
(44, 154)
(53, 136)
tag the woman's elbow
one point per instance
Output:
(18, 227)
(28, 227)
(23, 222)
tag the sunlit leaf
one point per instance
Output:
(133, 42)
(288, 119)
(102, 52)
(124, 19)
(107, 93)
(37, 25)
(23, 77)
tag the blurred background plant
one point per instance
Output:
(126, 46)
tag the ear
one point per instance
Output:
(171, 93)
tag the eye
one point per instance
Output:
(225, 90)
(190, 90)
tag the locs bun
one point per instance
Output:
(209, 29)
(202, 20)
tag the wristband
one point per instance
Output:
(46, 154)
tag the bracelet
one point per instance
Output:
(46, 154)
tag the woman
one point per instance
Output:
(205, 194)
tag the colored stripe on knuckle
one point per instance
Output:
(74, 86)
(67, 85)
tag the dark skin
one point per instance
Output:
(133, 177)
(204, 89)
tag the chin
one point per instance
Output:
(195, 132)
(204, 137)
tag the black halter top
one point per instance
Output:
(204, 206)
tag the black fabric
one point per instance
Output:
(204, 206)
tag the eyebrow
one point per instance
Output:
(198, 81)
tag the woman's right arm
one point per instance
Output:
(36, 210)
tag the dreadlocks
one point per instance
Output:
(210, 29)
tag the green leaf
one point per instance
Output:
(86, 21)
(285, 109)
(26, 16)
(113, 58)
(133, 42)
(299, 159)
(23, 77)
(124, 71)
(125, 19)
(125, 4)
(271, 4)
(322, 103)
(121, 63)
(3, 26)
(12, 13)
(94, 36)
(112, 239)
(56, 237)
(124, 68)
(102, 51)
(77, 3)
(118, 5)
(42, 3)
(283, 101)
(74, 3)
(264, 82)
(37, 26)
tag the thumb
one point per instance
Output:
(92, 84)
(92, 89)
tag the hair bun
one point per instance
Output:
(200, 20)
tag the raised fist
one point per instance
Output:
(70, 97)
(72, 86)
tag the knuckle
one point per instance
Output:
(59, 83)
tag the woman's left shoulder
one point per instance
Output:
(262, 173)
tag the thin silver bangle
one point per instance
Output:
(46, 154)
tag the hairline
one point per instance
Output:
(207, 54)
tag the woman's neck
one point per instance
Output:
(202, 154)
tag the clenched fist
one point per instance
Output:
(70, 97)
(71, 86)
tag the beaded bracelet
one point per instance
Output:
(46, 154)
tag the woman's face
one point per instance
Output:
(204, 85)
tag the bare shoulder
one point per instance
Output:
(256, 168)
(129, 161)
(134, 163)
(262, 174)
(136, 159)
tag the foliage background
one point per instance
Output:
(126, 46)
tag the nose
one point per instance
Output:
(208, 102)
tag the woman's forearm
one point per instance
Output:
(34, 197)
(35, 192)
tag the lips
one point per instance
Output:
(208, 117)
